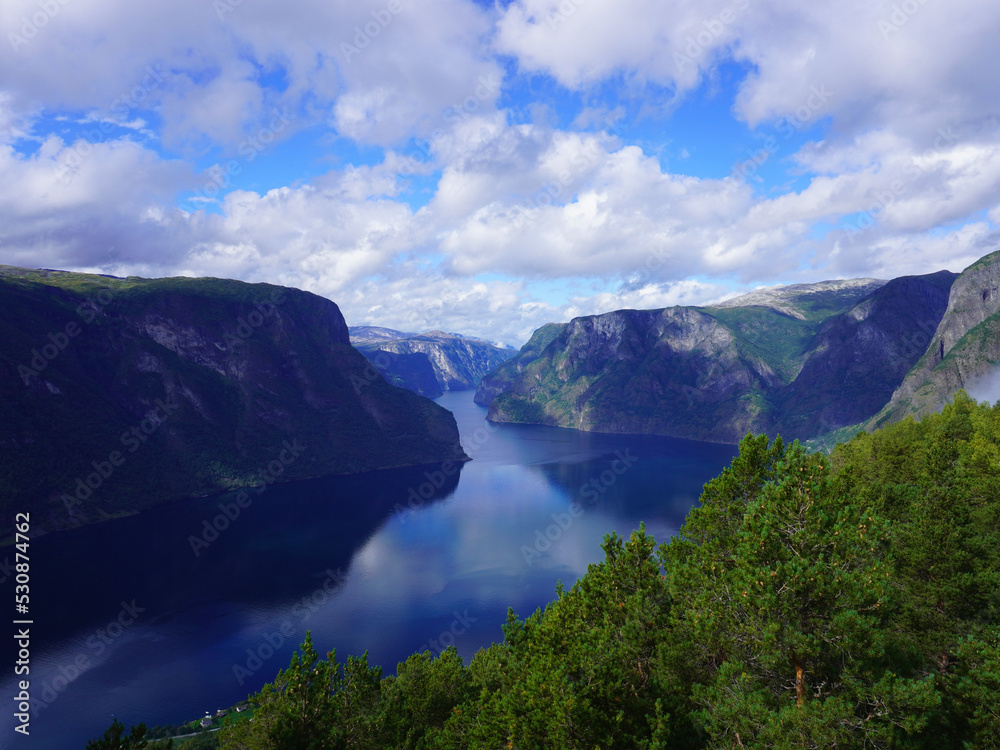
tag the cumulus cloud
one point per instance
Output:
(528, 210)
(84, 205)
(362, 66)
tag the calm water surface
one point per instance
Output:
(130, 622)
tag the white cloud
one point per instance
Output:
(911, 155)
(916, 65)
(215, 63)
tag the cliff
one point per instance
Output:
(964, 348)
(800, 360)
(458, 362)
(118, 394)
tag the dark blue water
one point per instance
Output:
(130, 622)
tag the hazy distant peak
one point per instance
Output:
(365, 334)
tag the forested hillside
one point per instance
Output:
(811, 601)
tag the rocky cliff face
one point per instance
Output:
(964, 347)
(857, 359)
(116, 394)
(504, 376)
(411, 371)
(459, 362)
(798, 360)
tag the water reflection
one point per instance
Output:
(387, 562)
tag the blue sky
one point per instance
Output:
(488, 168)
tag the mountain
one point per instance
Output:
(375, 334)
(963, 350)
(807, 301)
(505, 375)
(117, 394)
(800, 360)
(412, 371)
(457, 362)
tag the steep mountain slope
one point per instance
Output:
(116, 394)
(502, 377)
(459, 362)
(857, 359)
(800, 360)
(411, 371)
(964, 349)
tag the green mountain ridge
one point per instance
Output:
(801, 361)
(963, 350)
(118, 394)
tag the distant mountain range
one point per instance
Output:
(805, 361)
(429, 363)
(117, 394)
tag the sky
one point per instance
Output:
(486, 168)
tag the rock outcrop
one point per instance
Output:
(458, 362)
(117, 394)
(801, 360)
